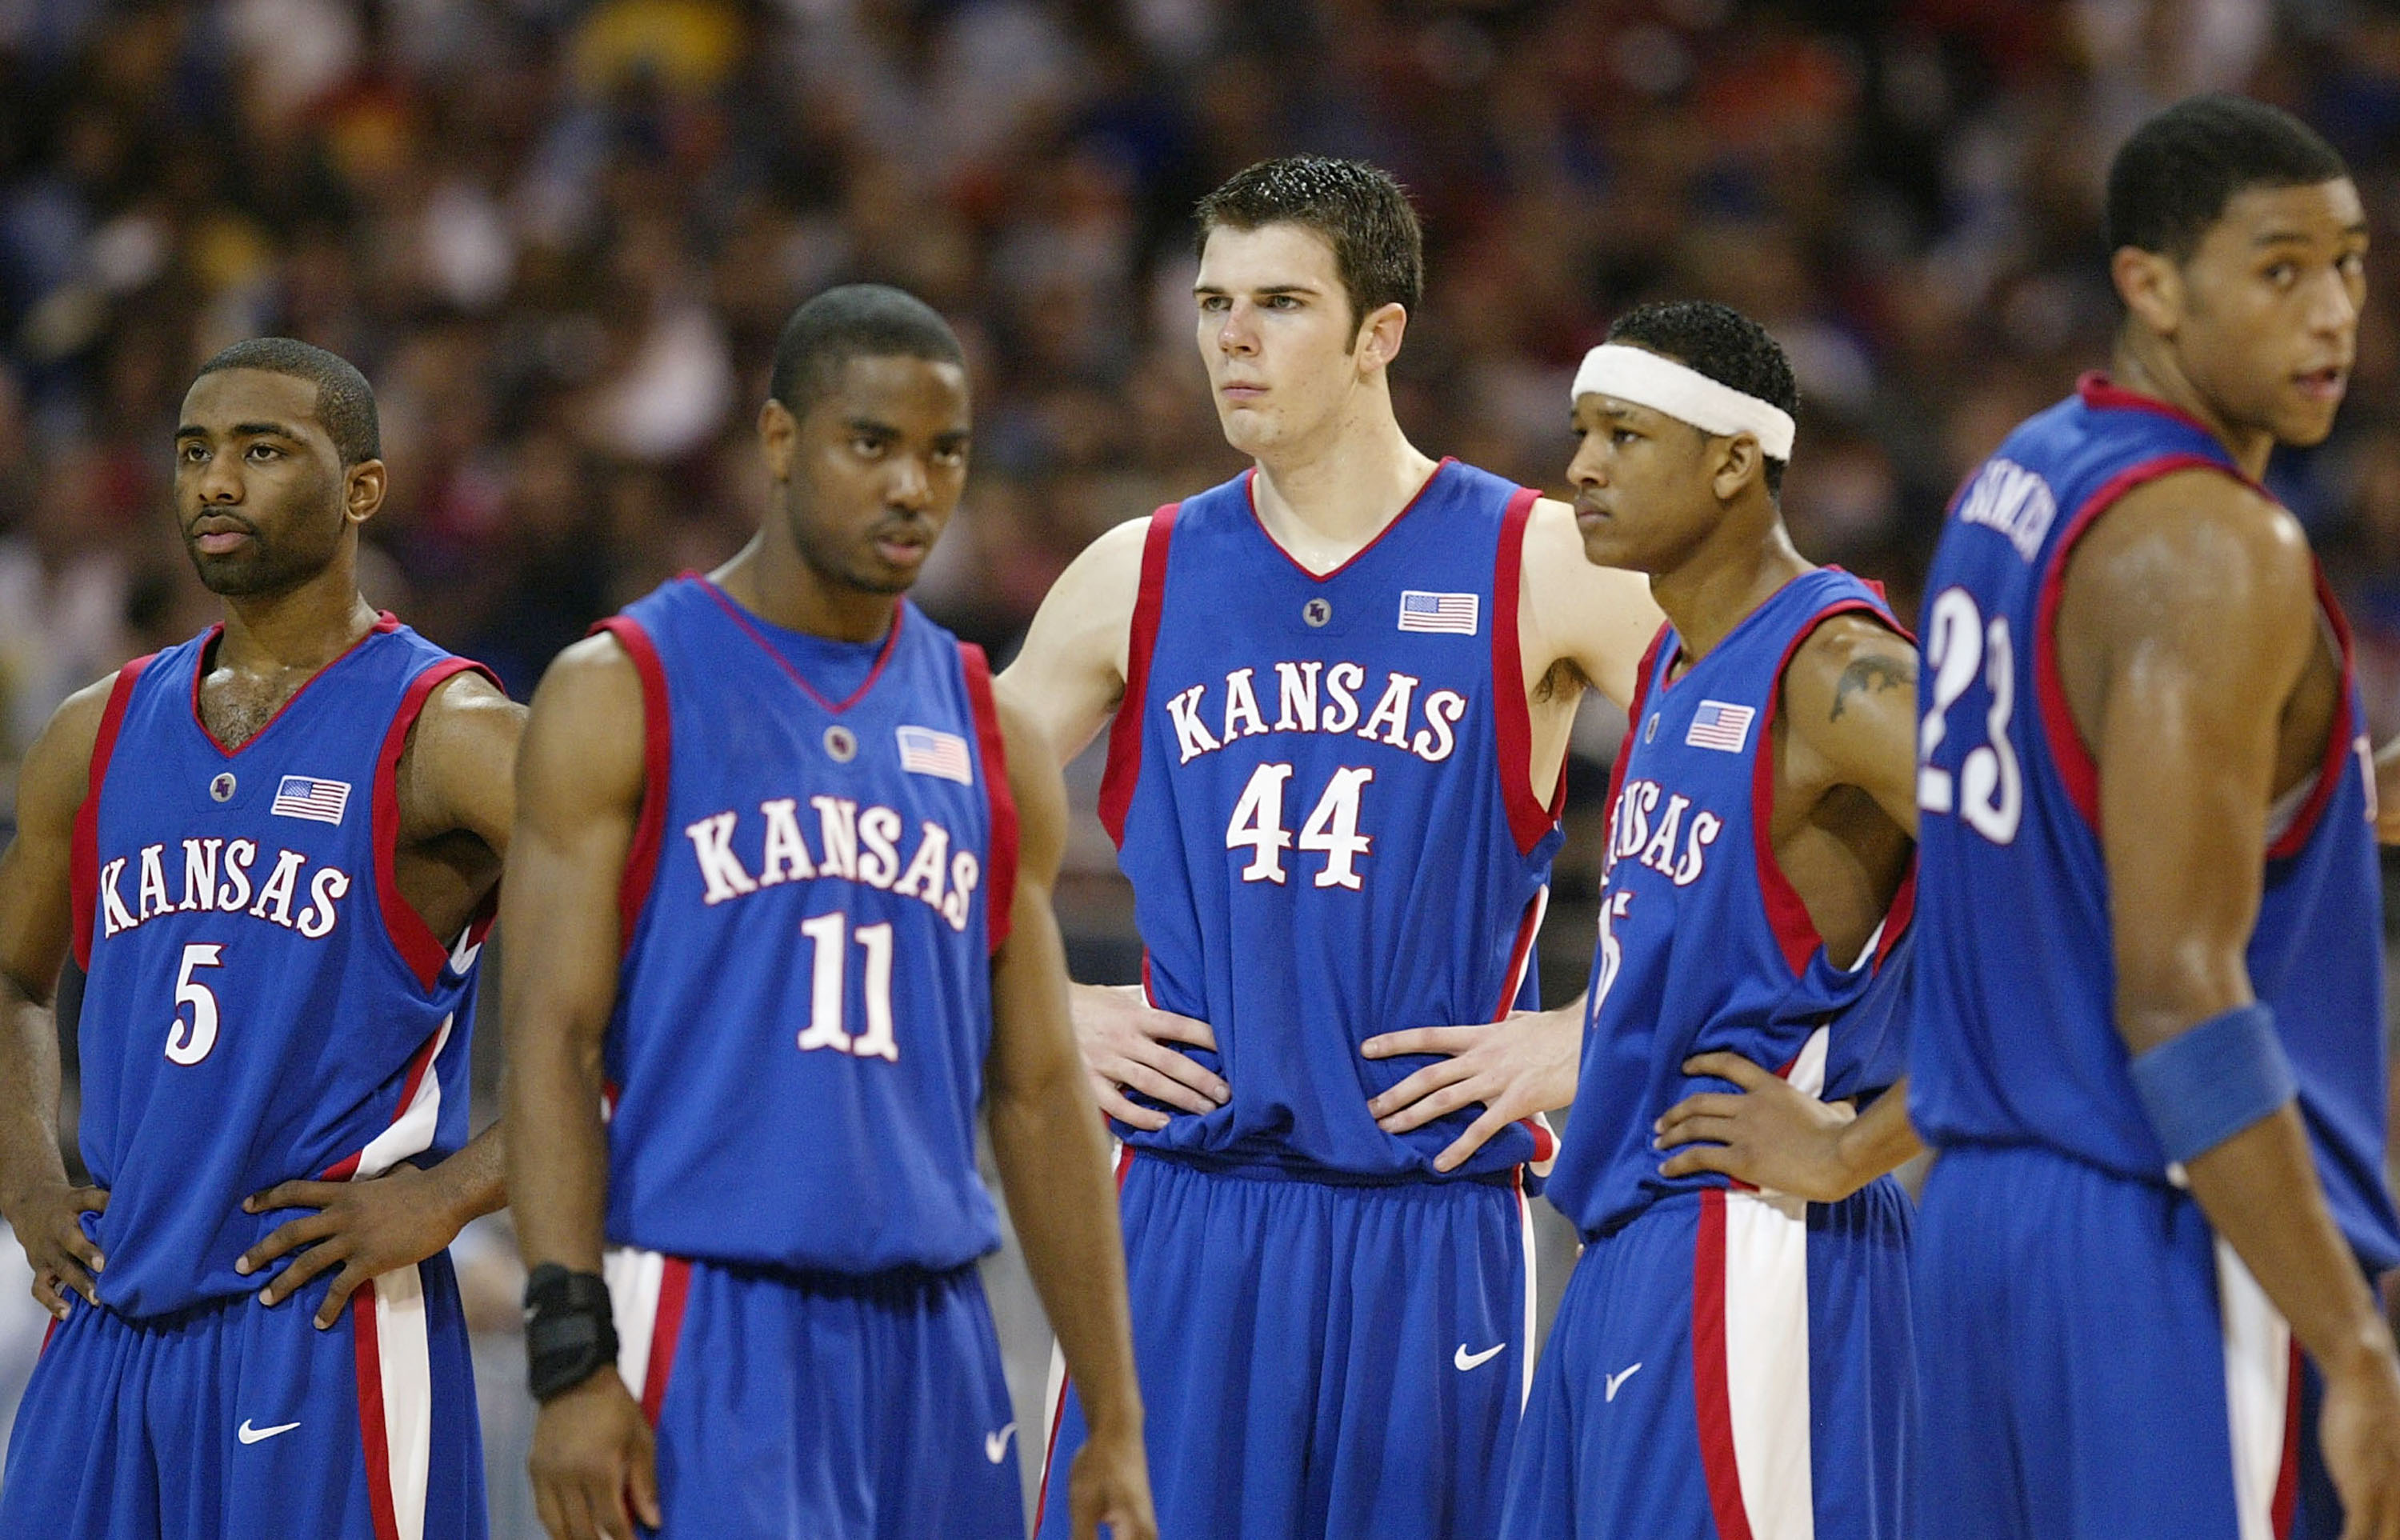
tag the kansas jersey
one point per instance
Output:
(1320, 788)
(813, 897)
(1704, 947)
(2014, 1040)
(260, 1005)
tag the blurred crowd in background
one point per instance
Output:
(560, 238)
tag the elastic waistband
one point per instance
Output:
(1317, 1175)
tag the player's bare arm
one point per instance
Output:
(1053, 1161)
(1846, 811)
(2386, 793)
(36, 925)
(457, 787)
(1067, 681)
(2187, 630)
(1578, 626)
(578, 792)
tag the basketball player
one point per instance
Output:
(1726, 1362)
(784, 894)
(271, 851)
(2149, 978)
(1341, 686)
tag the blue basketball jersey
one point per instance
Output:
(1704, 947)
(1320, 788)
(812, 902)
(260, 1005)
(2014, 1037)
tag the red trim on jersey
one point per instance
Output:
(2338, 741)
(419, 1064)
(83, 861)
(1520, 958)
(1066, 1381)
(675, 1287)
(1250, 497)
(658, 760)
(1794, 931)
(1000, 864)
(1711, 1397)
(2287, 1480)
(425, 953)
(2103, 394)
(1528, 819)
(386, 623)
(741, 616)
(1642, 674)
(375, 1438)
(2078, 771)
(1141, 638)
(1901, 915)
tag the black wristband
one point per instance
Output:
(570, 1336)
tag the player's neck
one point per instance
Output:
(2143, 367)
(1324, 501)
(769, 578)
(302, 629)
(1731, 573)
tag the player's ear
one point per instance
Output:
(2151, 285)
(1379, 334)
(1738, 461)
(362, 490)
(779, 437)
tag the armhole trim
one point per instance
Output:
(1529, 821)
(425, 953)
(658, 759)
(1124, 771)
(1000, 854)
(83, 861)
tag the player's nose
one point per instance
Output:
(908, 486)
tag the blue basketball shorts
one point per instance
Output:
(2094, 1364)
(1319, 1362)
(1728, 1366)
(818, 1406)
(232, 1419)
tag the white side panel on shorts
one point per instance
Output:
(633, 1280)
(2257, 1391)
(407, 1366)
(1766, 1353)
(1532, 1296)
(412, 1132)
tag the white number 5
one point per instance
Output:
(190, 1043)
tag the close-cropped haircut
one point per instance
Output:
(1359, 210)
(346, 403)
(1721, 343)
(856, 320)
(2172, 180)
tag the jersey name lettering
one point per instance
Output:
(1312, 696)
(853, 845)
(1658, 837)
(219, 875)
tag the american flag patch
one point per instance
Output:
(1452, 614)
(925, 751)
(1719, 726)
(306, 797)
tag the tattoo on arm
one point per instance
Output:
(1870, 673)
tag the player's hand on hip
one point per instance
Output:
(1109, 1483)
(1513, 1067)
(366, 1228)
(47, 1219)
(595, 1463)
(1125, 1044)
(1768, 1134)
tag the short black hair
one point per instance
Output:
(346, 403)
(854, 321)
(1721, 343)
(1360, 209)
(2172, 180)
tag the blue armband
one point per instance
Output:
(2203, 1087)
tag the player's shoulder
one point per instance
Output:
(597, 674)
(2198, 534)
(57, 767)
(1855, 650)
(466, 706)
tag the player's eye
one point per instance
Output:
(1283, 302)
(264, 451)
(1624, 435)
(2280, 274)
(194, 454)
(1213, 303)
(955, 453)
(866, 448)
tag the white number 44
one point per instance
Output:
(1331, 830)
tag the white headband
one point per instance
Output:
(1644, 378)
